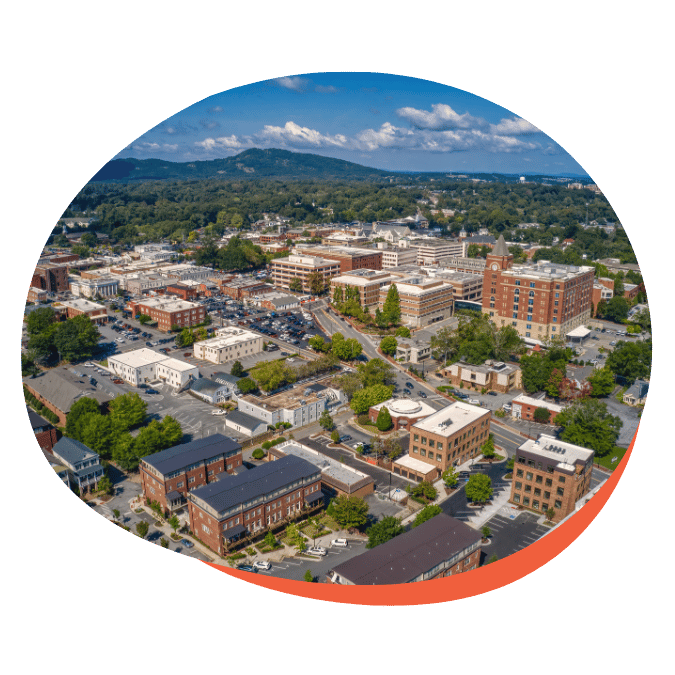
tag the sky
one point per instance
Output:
(384, 121)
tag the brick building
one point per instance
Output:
(36, 295)
(450, 436)
(492, 375)
(45, 432)
(250, 502)
(350, 259)
(168, 312)
(539, 300)
(167, 476)
(424, 301)
(302, 267)
(523, 407)
(441, 547)
(181, 291)
(51, 278)
(238, 289)
(549, 473)
(97, 313)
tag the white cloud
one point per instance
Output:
(330, 89)
(387, 136)
(146, 146)
(293, 135)
(298, 84)
(441, 117)
(216, 109)
(513, 126)
(223, 143)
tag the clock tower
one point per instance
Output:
(498, 260)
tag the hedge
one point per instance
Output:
(39, 407)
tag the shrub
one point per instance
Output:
(363, 419)
(258, 453)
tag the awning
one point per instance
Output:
(314, 497)
(234, 532)
(174, 496)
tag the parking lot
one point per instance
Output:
(511, 532)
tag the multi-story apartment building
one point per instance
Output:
(441, 547)
(491, 375)
(368, 282)
(302, 267)
(169, 312)
(350, 259)
(249, 502)
(433, 251)
(36, 295)
(539, 300)
(450, 436)
(601, 291)
(145, 365)
(464, 264)
(423, 300)
(465, 286)
(550, 473)
(395, 257)
(51, 278)
(167, 476)
(182, 291)
(229, 343)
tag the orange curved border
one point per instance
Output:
(466, 585)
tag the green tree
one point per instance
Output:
(424, 489)
(337, 295)
(384, 530)
(105, 486)
(296, 285)
(164, 543)
(316, 283)
(247, 386)
(116, 514)
(172, 432)
(174, 523)
(542, 415)
(144, 318)
(347, 350)
(403, 331)
(588, 423)
(186, 338)
(98, 433)
(391, 309)
(326, 421)
(366, 398)
(350, 511)
(488, 448)
(309, 577)
(486, 532)
(631, 360)
(617, 309)
(450, 477)
(76, 338)
(349, 383)
(479, 488)
(83, 406)
(237, 369)
(376, 371)
(602, 382)
(142, 529)
(39, 320)
(427, 513)
(127, 411)
(388, 345)
(550, 513)
(124, 454)
(384, 422)
(335, 436)
(317, 343)
(258, 454)
(270, 540)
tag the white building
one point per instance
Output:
(395, 257)
(145, 365)
(230, 343)
(89, 288)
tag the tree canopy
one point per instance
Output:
(350, 511)
(589, 424)
(631, 360)
(384, 530)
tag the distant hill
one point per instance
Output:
(252, 163)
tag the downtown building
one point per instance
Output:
(230, 343)
(350, 259)
(170, 312)
(540, 300)
(368, 283)
(302, 267)
(423, 301)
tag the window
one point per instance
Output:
(210, 473)
(517, 282)
(547, 495)
(431, 442)
(538, 479)
(526, 501)
(519, 473)
(560, 491)
(424, 440)
(529, 318)
(537, 492)
(528, 488)
(415, 449)
(561, 479)
(531, 284)
(519, 485)
(416, 437)
(549, 482)
(529, 475)
(180, 485)
(423, 452)
(558, 504)
(515, 315)
(439, 458)
(535, 504)
(191, 479)
(516, 498)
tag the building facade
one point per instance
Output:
(523, 408)
(423, 301)
(230, 343)
(141, 366)
(367, 282)
(492, 375)
(551, 474)
(169, 312)
(302, 267)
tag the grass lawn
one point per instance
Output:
(329, 522)
(606, 461)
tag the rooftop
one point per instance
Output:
(565, 455)
(449, 420)
(168, 304)
(244, 420)
(289, 399)
(548, 271)
(180, 456)
(72, 451)
(230, 491)
(81, 304)
(417, 465)
(399, 407)
(539, 403)
(228, 336)
(139, 357)
(62, 387)
(407, 557)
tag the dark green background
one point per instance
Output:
(82, 80)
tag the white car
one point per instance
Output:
(262, 565)
(507, 406)
(340, 543)
(473, 401)
(218, 412)
(317, 550)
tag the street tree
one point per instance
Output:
(403, 331)
(384, 422)
(384, 530)
(450, 477)
(631, 360)
(127, 411)
(550, 513)
(335, 436)
(479, 488)
(105, 486)
(388, 345)
(588, 423)
(174, 523)
(349, 383)
(365, 399)
(391, 309)
(350, 511)
(326, 421)
(486, 532)
(488, 448)
(376, 371)
(347, 350)
(142, 529)
(237, 369)
(309, 577)
(116, 514)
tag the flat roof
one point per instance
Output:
(138, 357)
(449, 420)
(168, 305)
(579, 331)
(81, 304)
(411, 554)
(537, 402)
(289, 399)
(228, 336)
(417, 465)
(564, 454)
(405, 407)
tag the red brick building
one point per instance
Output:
(50, 277)
(349, 258)
(181, 291)
(551, 474)
(167, 476)
(45, 432)
(168, 312)
(250, 502)
(523, 408)
(441, 547)
(539, 300)
(97, 313)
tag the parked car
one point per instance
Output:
(148, 344)
(218, 412)
(492, 393)
(246, 568)
(340, 543)
(422, 394)
(410, 385)
(344, 439)
(118, 381)
(187, 543)
(507, 406)
(316, 550)
(187, 354)
(462, 395)
(464, 475)
(262, 565)
(473, 401)
(612, 343)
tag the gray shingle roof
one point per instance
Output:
(244, 420)
(205, 385)
(229, 491)
(500, 247)
(62, 388)
(72, 451)
(404, 558)
(36, 421)
(180, 456)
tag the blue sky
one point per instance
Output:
(384, 121)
